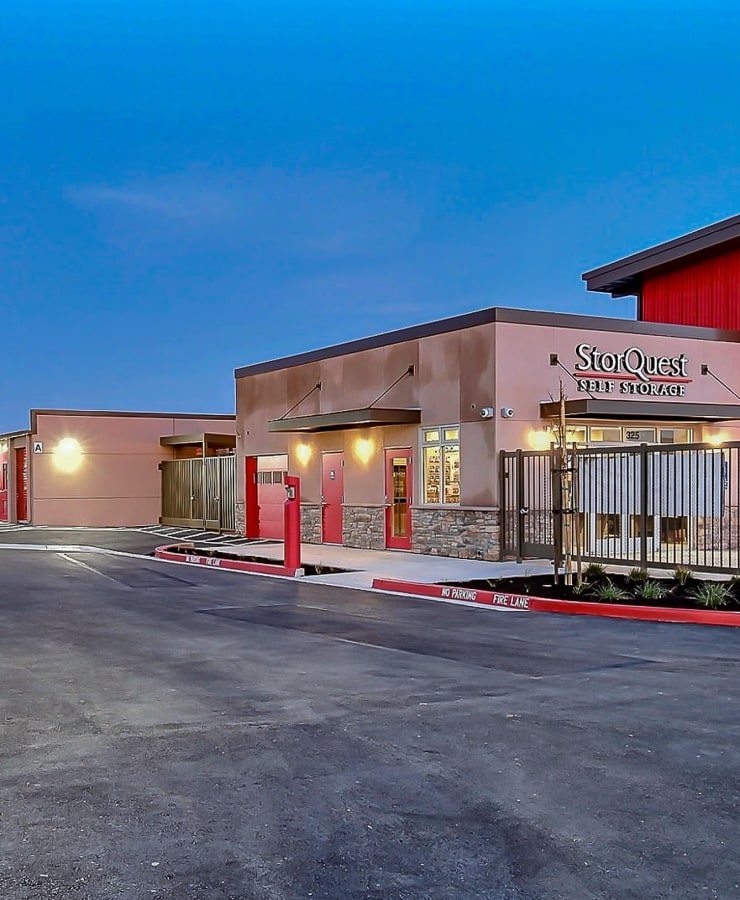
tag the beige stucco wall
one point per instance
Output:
(117, 481)
(454, 378)
(525, 377)
(457, 374)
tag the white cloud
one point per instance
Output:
(305, 214)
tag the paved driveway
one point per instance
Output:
(172, 732)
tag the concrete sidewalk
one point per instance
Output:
(369, 564)
(364, 565)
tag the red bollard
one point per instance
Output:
(292, 521)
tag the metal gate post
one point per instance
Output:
(503, 521)
(520, 510)
(558, 461)
(643, 504)
(218, 496)
(191, 488)
(203, 484)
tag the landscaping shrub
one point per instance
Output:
(593, 572)
(682, 575)
(652, 591)
(711, 595)
(638, 576)
(608, 592)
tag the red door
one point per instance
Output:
(4, 487)
(332, 497)
(398, 493)
(21, 484)
(251, 503)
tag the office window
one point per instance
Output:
(441, 464)
(636, 526)
(608, 525)
(574, 434)
(606, 434)
(674, 529)
(676, 436)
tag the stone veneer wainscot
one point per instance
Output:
(364, 527)
(457, 532)
(311, 523)
(239, 513)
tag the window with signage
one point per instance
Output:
(640, 435)
(637, 434)
(441, 464)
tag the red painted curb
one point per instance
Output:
(525, 603)
(235, 565)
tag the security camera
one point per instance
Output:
(486, 412)
(506, 412)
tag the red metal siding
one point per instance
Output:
(706, 293)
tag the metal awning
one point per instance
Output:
(634, 410)
(189, 440)
(348, 418)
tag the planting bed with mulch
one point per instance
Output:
(680, 589)
(308, 568)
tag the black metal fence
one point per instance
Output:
(658, 506)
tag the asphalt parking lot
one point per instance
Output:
(175, 732)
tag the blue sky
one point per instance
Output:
(190, 187)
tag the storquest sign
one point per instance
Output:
(633, 371)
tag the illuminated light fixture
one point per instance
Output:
(364, 448)
(68, 455)
(716, 439)
(3, 446)
(539, 440)
(303, 453)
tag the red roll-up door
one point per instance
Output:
(3, 487)
(21, 484)
(271, 502)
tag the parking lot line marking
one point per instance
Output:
(83, 565)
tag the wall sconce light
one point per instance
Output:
(303, 453)
(716, 439)
(68, 455)
(539, 440)
(364, 449)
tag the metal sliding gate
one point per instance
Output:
(200, 493)
(653, 505)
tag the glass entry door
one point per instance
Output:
(398, 496)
